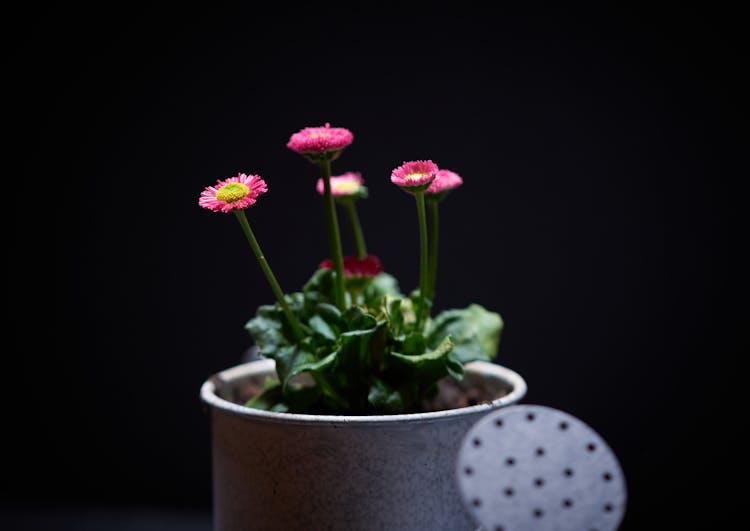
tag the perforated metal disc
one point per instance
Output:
(536, 468)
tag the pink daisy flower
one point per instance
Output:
(445, 180)
(319, 140)
(369, 266)
(348, 184)
(235, 193)
(415, 175)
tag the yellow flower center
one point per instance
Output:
(346, 187)
(319, 134)
(232, 192)
(414, 176)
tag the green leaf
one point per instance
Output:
(320, 327)
(382, 284)
(414, 345)
(454, 366)
(331, 394)
(437, 355)
(301, 398)
(417, 299)
(297, 398)
(474, 330)
(270, 328)
(267, 330)
(429, 367)
(288, 359)
(354, 354)
(358, 358)
(319, 289)
(356, 318)
(401, 316)
(269, 397)
(329, 312)
(386, 399)
(303, 365)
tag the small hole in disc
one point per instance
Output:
(509, 492)
(477, 442)
(530, 417)
(540, 451)
(476, 502)
(468, 471)
(538, 513)
(590, 447)
(607, 476)
(609, 508)
(567, 503)
(539, 482)
(499, 423)
(510, 461)
(568, 472)
(563, 426)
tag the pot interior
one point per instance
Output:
(479, 386)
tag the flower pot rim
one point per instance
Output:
(258, 367)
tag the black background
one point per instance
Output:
(599, 150)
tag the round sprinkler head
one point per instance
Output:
(527, 467)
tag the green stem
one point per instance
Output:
(296, 328)
(359, 237)
(334, 236)
(433, 248)
(421, 317)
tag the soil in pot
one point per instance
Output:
(452, 394)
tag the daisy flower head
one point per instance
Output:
(235, 193)
(320, 143)
(414, 176)
(349, 185)
(369, 266)
(444, 182)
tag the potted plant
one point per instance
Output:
(353, 415)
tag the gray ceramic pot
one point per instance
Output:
(281, 471)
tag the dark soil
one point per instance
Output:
(244, 391)
(451, 395)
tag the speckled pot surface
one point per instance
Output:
(281, 471)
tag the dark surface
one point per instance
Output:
(82, 518)
(599, 217)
